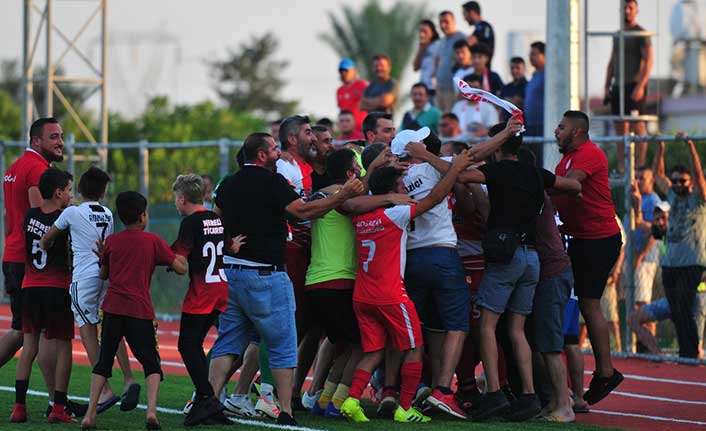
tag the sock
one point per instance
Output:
(60, 398)
(267, 391)
(327, 394)
(360, 381)
(445, 390)
(411, 376)
(340, 395)
(21, 387)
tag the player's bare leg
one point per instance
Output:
(89, 338)
(10, 343)
(124, 362)
(47, 363)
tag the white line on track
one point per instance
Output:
(179, 412)
(654, 418)
(658, 379)
(653, 398)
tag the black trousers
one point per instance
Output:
(192, 331)
(140, 335)
(680, 286)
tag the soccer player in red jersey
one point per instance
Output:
(384, 311)
(47, 304)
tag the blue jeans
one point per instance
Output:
(260, 306)
(510, 286)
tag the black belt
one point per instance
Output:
(268, 268)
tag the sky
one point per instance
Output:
(160, 47)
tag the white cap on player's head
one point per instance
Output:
(398, 144)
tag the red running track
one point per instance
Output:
(654, 396)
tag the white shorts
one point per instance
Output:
(644, 281)
(86, 300)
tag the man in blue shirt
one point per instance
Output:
(515, 91)
(534, 100)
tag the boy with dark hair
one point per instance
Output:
(47, 304)
(87, 224)
(128, 260)
(480, 59)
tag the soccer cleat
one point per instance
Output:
(240, 406)
(410, 416)
(75, 409)
(492, 404)
(59, 415)
(189, 404)
(523, 408)
(267, 408)
(19, 413)
(423, 391)
(600, 387)
(352, 410)
(316, 410)
(446, 403)
(286, 419)
(308, 401)
(388, 404)
(331, 411)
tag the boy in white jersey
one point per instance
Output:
(88, 224)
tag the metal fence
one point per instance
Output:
(133, 167)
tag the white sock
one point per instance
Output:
(266, 391)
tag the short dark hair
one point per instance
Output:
(481, 48)
(130, 206)
(630, 1)
(277, 121)
(472, 6)
(93, 183)
(462, 43)
(288, 127)
(539, 46)
(384, 180)
(512, 144)
(451, 116)
(457, 146)
(644, 168)
(473, 77)
(386, 57)
(429, 23)
(421, 85)
(320, 128)
(371, 152)
(578, 117)
(345, 112)
(433, 143)
(338, 163)
(371, 121)
(446, 12)
(37, 128)
(254, 143)
(515, 60)
(52, 179)
(679, 169)
(325, 121)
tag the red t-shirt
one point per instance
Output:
(382, 253)
(356, 135)
(131, 257)
(592, 217)
(348, 96)
(201, 242)
(21, 175)
(45, 268)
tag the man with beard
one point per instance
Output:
(685, 259)
(324, 147)
(595, 243)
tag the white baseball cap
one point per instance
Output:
(405, 137)
(663, 206)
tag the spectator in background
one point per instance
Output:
(464, 64)
(445, 60)
(424, 60)
(381, 94)
(350, 93)
(514, 91)
(639, 58)
(449, 127)
(480, 59)
(534, 100)
(378, 127)
(274, 129)
(327, 123)
(422, 113)
(208, 190)
(483, 31)
(347, 127)
(475, 118)
(685, 259)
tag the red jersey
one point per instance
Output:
(201, 241)
(44, 268)
(592, 217)
(382, 251)
(131, 257)
(349, 96)
(21, 175)
(298, 174)
(356, 135)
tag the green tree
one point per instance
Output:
(248, 79)
(10, 118)
(362, 33)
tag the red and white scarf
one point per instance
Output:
(478, 95)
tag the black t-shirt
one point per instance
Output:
(319, 181)
(484, 33)
(202, 240)
(516, 195)
(45, 268)
(252, 203)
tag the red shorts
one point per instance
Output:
(48, 309)
(399, 322)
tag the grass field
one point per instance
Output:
(175, 390)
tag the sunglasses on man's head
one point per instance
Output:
(679, 180)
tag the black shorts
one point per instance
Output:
(48, 309)
(630, 105)
(141, 336)
(332, 310)
(14, 273)
(592, 261)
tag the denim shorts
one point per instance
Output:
(550, 299)
(571, 322)
(658, 310)
(436, 283)
(260, 306)
(510, 286)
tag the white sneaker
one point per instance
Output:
(267, 408)
(309, 400)
(190, 403)
(240, 406)
(221, 397)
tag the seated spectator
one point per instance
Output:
(480, 59)
(450, 128)
(347, 127)
(475, 118)
(464, 65)
(381, 94)
(422, 113)
(514, 91)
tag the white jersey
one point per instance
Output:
(434, 227)
(87, 223)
